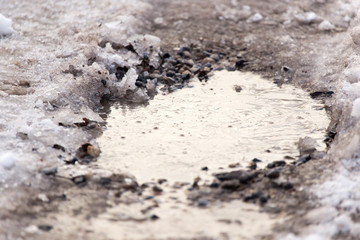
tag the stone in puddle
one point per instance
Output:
(275, 164)
(242, 176)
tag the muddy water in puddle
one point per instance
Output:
(232, 118)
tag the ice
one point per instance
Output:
(5, 26)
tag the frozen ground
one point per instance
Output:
(59, 58)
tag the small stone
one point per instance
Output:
(43, 197)
(252, 196)
(22, 136)
(186, 75)
(157, 189)
(79, 180)
(49, 171)
(255, 160)
(252, 166)
(234, 165)
(215, 57)
(190, 63)
(204, 169)
(59, 147)
(230, 184)
(154, 217)
(45, 227)
(202, 203)
(237, 88)
(208, 60)
(307, 145)
(230, 68)
(161, 181)
(274, 164)
(194, 70)
(240, 63)
(273, 174)
(93, 151)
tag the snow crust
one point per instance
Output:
(337, 194)
(54, 73)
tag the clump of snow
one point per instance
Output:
(307, 17)
(326, 26)
(257, 17)
(7, 160)
(5, 26)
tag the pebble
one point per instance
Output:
(215, 57)
(234, 165)
(43, 197)
(208, 60)
(157, 189)
(255, 160)
(45, 227)
(273, 174)
(230, 184)
(186, 75)
(274, 164)
(243, 176)
(79, 179)
(202, 203)
(237, 88)
(154, 217)
(93, 151)
(59, 147)
(49, 171)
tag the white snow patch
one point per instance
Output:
(5, 26)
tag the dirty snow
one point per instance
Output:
(54, 73)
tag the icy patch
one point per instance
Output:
(5, 26)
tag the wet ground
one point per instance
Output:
(96, 199)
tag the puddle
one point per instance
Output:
(213, 125)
